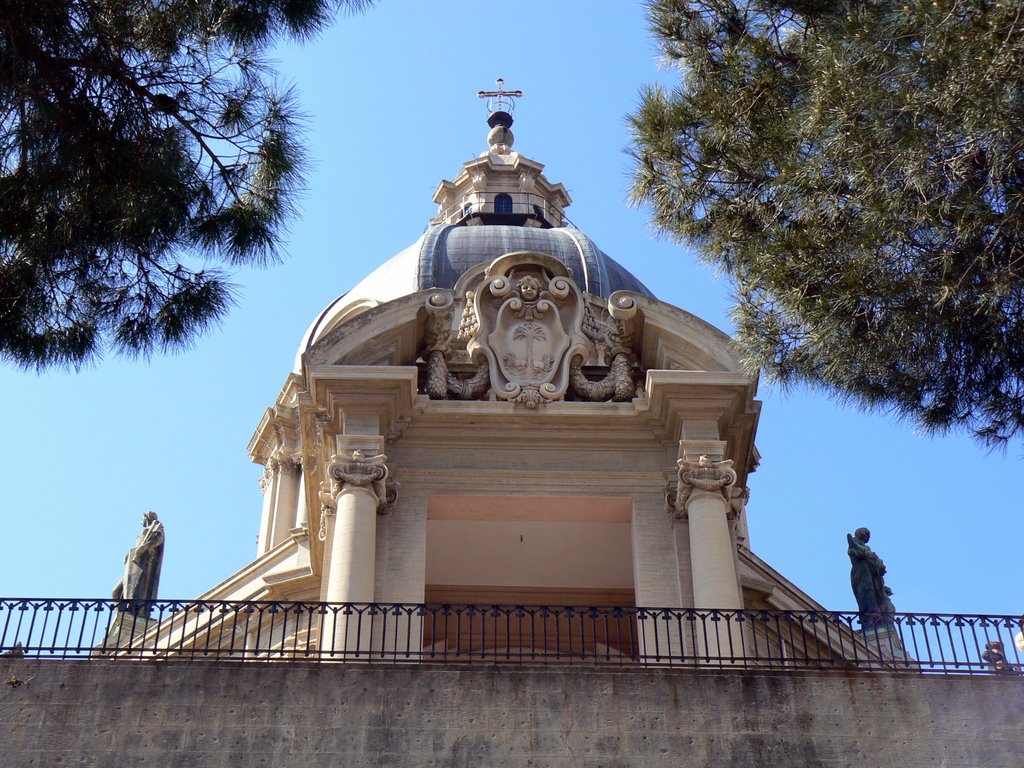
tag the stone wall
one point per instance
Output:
(206, 715)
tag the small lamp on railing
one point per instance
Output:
(1018, 640)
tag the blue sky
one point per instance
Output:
(392, 110)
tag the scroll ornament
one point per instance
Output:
(618, 336)
(281, 460)
(284, 460)
(441, 383)
(716, 477)
(360, 471)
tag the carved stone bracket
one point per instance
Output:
(704, 475)
(622, 311)
(322, 420)
(437, 332)
(367, 472)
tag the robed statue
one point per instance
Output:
(138, 585)
(867, 577)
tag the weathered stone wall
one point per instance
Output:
(204, 715)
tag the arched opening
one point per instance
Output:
(503, 203)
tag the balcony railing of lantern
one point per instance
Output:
(515, 207)
(509, 634)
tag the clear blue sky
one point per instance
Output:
(392, 110)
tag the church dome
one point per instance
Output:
(445, 252)
(499, 203)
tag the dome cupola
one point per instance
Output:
(501, 186)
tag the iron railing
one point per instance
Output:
(515, 204)
(506, 634)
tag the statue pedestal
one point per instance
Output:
(884, 643)
(124, 633)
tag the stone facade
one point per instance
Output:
(208, 715)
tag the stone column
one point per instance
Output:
(703, 499)
(267, 509)
(357, 495)
(286, 496)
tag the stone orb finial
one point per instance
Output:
(500, 139)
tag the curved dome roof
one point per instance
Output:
(445, 251)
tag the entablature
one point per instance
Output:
(278, 429)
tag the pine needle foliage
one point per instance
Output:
(857, 169)
(140, 140)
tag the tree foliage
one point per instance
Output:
(139, 140)
(857, 169)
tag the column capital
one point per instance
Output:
(703, 476)
(369, 473)
(266, 478)
(284, 460)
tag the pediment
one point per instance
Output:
(384, 335)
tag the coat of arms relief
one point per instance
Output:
(528, 332)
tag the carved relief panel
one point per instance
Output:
(529, 330)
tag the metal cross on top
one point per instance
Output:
(503, 100)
